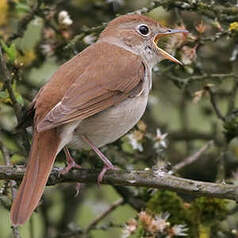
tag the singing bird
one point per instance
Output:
(90, 101)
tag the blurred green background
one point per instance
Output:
(182, 104)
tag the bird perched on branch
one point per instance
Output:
(90, 101)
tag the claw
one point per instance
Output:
(69, 166)
(70, 162)
(103, 171)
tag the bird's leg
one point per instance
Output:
(107, 164)
(70, 162)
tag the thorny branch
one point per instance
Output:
(136, 178)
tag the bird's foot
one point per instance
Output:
(70, 166)
(70, 163)
(107, 163)
(104, 170)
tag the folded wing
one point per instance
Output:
(111, 76)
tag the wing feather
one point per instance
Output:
(109, 79)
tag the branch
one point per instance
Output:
(104, 214)
(214, 104)
(211, 10)
(199, 78)
(136, 178)
(191, 159)
(23, 23)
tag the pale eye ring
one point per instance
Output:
(143, 30)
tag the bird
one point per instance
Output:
(90, 101)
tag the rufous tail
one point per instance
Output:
(42, 156)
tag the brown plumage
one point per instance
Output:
(90, 101)
(92, 89)
(37, 172)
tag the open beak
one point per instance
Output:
(163, 52)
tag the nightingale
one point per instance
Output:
(90, 101)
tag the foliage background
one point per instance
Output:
(195, 104)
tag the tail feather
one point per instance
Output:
(42, 156)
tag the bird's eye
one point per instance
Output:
(143, 29)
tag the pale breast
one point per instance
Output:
(109, 125)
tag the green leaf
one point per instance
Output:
(3, 94)
(22, 7)
(11, 51)
(4, 97)
(17, 94)
(19, 98)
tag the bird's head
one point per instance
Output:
(141, 35)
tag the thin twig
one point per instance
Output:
(211, 10)
(191, 159)
(104, 214)
(23, 23)
(195, 78)
(214, 104)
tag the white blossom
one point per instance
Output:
(161, 222)
(160, 139)
(129, 228)
(136, 145)
(64, 18)
(180, 230)
(46, 49)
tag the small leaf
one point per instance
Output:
(17, 94)
(11, 51)
(19, 98)
(22, 7)
(4, 97)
